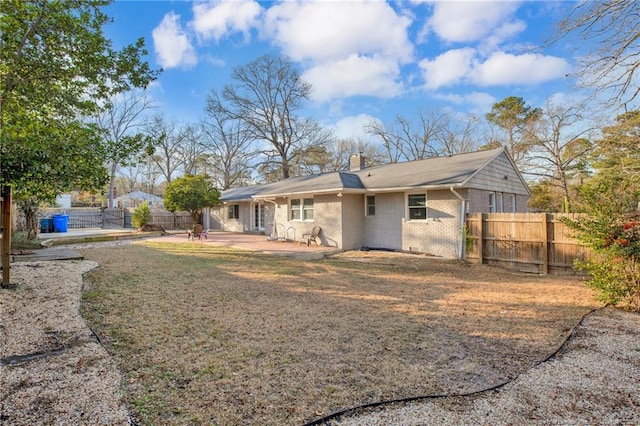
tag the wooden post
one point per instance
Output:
(6, 235)
(545, 244)
(480, 237)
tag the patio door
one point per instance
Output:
(258, 215)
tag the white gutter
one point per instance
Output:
(462, 221)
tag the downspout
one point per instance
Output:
(463, 210)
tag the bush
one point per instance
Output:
(141, 215)
(613, 234)
(615, 266)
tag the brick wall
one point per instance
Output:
(384, 229)
(352, 221)
(439, 235)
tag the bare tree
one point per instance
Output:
(130, 178)
(560, 143)
(192, 151)
(458, 136)
(169, 139)
(122, 122)
(436, 133)
(391, 140)
(265, 95)
(313, 140)
(228, 142)
(613, 28)
(336, 155)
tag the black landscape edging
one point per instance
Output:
(338, 414)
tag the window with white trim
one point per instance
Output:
(492, 202)
(500, 204)
(371, 205)
(512, 203)
(417, 204)
(307, 209)
(234, 211)
(301, 209)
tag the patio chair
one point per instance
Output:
(313, 236)
(196, 232)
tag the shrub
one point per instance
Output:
(615, 269)
(141, 215)
(613, 234)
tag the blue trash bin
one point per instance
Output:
(46, 225)
(60, 222)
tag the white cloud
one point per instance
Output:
(322, 31)
(447, 69)
(218, 19)
(463, 66)
(353, 127)
(172, 45)
(479, 101)
(354, 76)
(482, 101)
(505, 69)
(503, 32)
(466, 21)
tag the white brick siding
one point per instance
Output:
(439, 235)
(384, 229)
(326, 212)
(352, 224)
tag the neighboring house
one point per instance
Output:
(135, 198)
(63, 201)
(413, 206)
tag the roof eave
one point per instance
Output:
(415, 188)
(312, 192)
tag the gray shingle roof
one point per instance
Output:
(437, 171)
(432, 172)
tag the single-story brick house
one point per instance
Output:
(412, 206)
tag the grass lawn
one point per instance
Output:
(207, 335)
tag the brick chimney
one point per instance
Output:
(356, 162)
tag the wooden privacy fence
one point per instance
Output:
(95, 217)
(527, 242)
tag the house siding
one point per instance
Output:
(242, 224)
(352, 221)
(284, 227)
(479, 201)
(384, 229)
(439, 235)
(327, 213)
(492, 178)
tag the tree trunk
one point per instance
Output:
(30, 208)
(112, 182)
(6, 235)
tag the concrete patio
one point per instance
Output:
(249, 242)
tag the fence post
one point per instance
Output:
(545, 243)
(480, 237)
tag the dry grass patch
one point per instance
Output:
(205, 335)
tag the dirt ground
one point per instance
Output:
(207, 335)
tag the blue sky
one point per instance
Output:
(365, 59)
